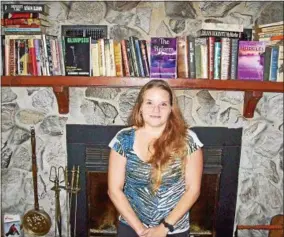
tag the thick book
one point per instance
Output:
(77, 56)
(20, 15)
(163, 58)
(24, 21)
(182, 57)
(251, 60)
(191, 56)
(222, 27)
(30, 8)
(218, 33)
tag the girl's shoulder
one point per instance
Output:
(124, 132)
(193, 138)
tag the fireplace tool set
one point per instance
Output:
(58, 176)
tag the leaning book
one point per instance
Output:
(251, 60)
(163, 58)
(12, 225)
(77, 56)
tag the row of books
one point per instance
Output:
(182, 57)
(271, 32)
(24, 18)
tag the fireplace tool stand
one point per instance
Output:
(72, 188)
(56, 175)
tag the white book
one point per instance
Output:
(222, 27)
(271, 24)
(112, 60)
(225, 58)
(95, 59)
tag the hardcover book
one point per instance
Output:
(163, 58)
(251, 60)
(77, 56)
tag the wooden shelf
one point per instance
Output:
(253, 89)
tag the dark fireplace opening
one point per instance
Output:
(212, 215)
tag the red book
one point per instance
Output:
(23, 21)
(125, 58)
(24, 26)
(211, 44)
(17, 15)
(32, 65)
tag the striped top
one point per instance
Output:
(151, 207)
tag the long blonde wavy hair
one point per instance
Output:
(172, 142)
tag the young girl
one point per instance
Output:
(155, 167)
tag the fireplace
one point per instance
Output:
(212, 215)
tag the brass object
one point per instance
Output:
(36, 222)
(57, 176)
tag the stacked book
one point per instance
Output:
(272, 33)
(24, 18)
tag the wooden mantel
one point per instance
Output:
(253, 89)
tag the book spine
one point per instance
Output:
(130, 58)
(17, 15)
(280, 64)
(217, 60)
(267, 64)
(225, 58)
(274, 63)
(102, 59)
(234, 58)
(112, 58)
(26, 59)
(139, 58)
(49, 56)
(32, 58)
(222, 27)
(7, 53)
(182, 57)
(211, 46)
(21, 21)
(204, 61)
(45, 56)
(29, 8)
(198, 61)
(107, 57)
(22, 55)
(191, 57)
(218, 33)
(95, 58)
(118, 59)
(125, 58)
(145, 57)
(12, 57)
(17, 58)
(37, 43)
(134, 56)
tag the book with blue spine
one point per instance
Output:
(217, 60)
(163, 57)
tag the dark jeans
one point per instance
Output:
(124, 230)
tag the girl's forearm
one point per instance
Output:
(183, 206)
(124, 208)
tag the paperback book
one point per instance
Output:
(77, 56)
(163, 58)
(12, 225)
(251, 60)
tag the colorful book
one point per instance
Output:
(77, 56)
(163, 58)
(217, 60)
(251, 60)
(30, 8)
(12, 225)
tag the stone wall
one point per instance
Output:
(260, 192)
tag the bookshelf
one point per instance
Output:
(60, 84)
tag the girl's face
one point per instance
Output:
(156, 107)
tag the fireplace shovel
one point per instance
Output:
(36, 222)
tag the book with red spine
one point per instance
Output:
(24, 21)
(32, 64)
(211, 46)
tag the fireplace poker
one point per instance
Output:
(56, 176)
(77, 189)
(67, 189)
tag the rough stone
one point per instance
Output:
(102, 93)
(126, 103)
(177, 26)
(122, 5)
(232, 97)
(8, 112)
(216, 9)
(91, 12)
(53, 125)
(273, 12)
(6, 154)
(119, 18)
(230, 117)
(163, 30)
(7, 95)
(180, 10)
(29, 116)
(21, 159)
(123, 32)
(143, 19)
(43, 100)
(31, 90)
(19, 136)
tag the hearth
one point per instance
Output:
(212, 215)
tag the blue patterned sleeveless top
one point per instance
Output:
(152, 207)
